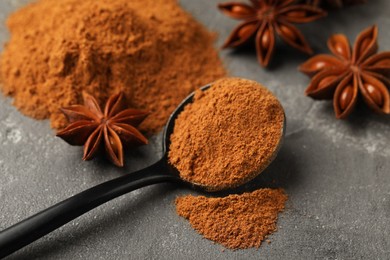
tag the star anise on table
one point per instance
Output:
(263, 19)
(335, 3)
(351, 73)
(113, 128)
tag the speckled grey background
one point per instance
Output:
(337, 173)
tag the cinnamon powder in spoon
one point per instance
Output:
(152, 50)
(228, 135)
(236, 221)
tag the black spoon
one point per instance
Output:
(44, 222)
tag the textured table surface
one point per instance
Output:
(337, 173)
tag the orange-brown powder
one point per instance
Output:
(227, 135)
(151, 49)
(236, 221)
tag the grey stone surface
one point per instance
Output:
(335, 172)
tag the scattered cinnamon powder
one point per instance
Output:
(236, 221)
(227, 135)
(151, 49)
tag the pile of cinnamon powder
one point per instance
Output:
(151, 49)
(228, 135)
(236, 221)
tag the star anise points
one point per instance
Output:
(113, 128)
(263, 19)
(348, 72)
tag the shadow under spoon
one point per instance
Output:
(46, 221)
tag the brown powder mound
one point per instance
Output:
(151, 49)
(227, 135)
(236, 221)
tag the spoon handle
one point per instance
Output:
(42, 223)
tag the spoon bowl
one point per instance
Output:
(44, 222)
(169, 128)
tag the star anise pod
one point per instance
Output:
(90, 127)
(263, 19)
(335, 3)
(350, 72)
